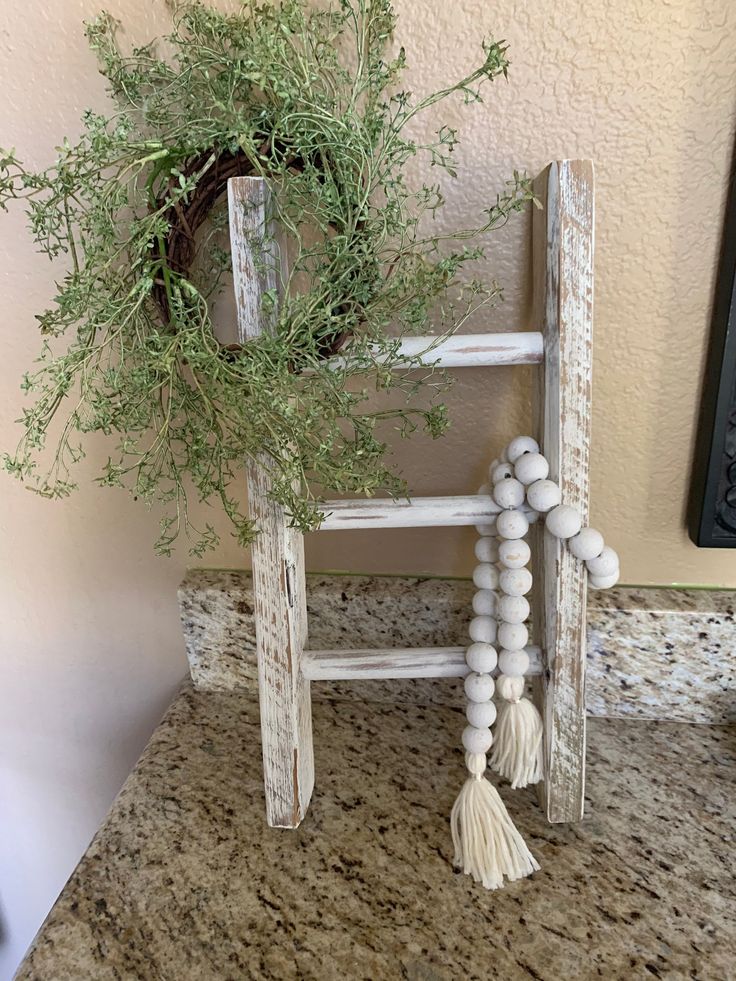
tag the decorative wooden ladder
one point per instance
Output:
(563, 303)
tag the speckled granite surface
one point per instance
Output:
(662, 653)
(184, 882)
(343, 611)
(653, 653)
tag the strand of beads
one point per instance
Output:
(481, 655)
(524, 478)
(565, 522)
(517, 752)
(487, 844)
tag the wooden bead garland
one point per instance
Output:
(517, 755)
(487, 845)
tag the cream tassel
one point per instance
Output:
(518, 753)
(487, 843)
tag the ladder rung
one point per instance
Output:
(418, 512)
(409, 662)
(475, 350)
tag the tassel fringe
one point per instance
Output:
(487, 843)
(517, 749)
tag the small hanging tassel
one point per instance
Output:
(517, 746)
(487, 843)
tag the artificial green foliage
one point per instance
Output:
(312, 101)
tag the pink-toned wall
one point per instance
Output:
(89, 632)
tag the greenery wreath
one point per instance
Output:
(310, 100)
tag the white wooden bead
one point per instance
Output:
(515, 582)
(480, 714)
(494, 463)
(483, 630)
(485, 490)
(514, 664)
(605, 564)
(487, 529)
(486, 550)
(485, 576)
(481, 658)
(513, 609)
(522, 444)
(564, 521)
(477, 740)
(531, 467)
(509, 493)
(510, 689)
(512, 636)
(587, 544)
(604, 582)
(543, 495)
(479, 687)
(502, 471)
(512, 524)
(514, 554)
(484, 603)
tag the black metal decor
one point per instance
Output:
(712, 513)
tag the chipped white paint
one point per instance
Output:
(412, 662)
(419, 512)
(277, 553)
(469, 350)
(563, 290)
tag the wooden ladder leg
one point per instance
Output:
(563, 290)
(278, 551)
(281, 633)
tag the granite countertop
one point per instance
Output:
(185, 881)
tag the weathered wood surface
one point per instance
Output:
(563, 250)
(410, 662)
(472, 350)
(563, 291)
(278, 551)
(419, 512)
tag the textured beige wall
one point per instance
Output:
(648, 91)
(88, 623)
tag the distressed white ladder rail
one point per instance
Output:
(410, 662)
(563, 293)
(277, 552)
(466, 350)
(562, 249)
(418, 512)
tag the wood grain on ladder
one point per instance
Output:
(563, 294)
(278, 551)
